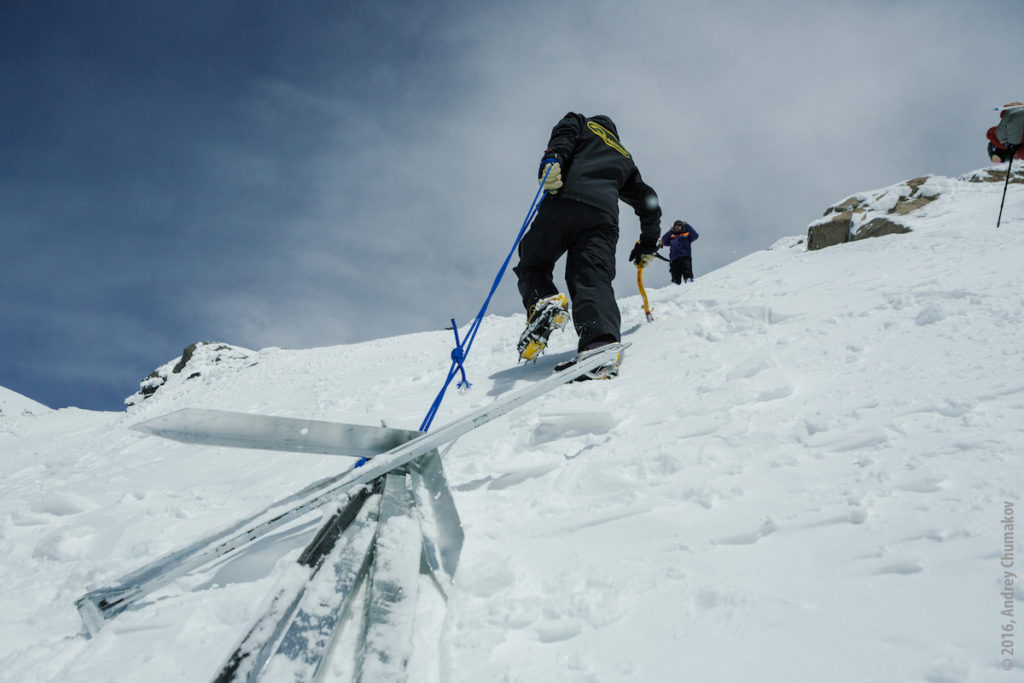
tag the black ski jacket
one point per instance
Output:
(597, 170)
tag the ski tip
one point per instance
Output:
(92, 616)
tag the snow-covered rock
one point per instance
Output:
(890, 210)
(208, 360)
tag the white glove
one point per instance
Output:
(553, 179)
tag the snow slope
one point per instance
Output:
(14, 408)
(13, 404)
(800, 475)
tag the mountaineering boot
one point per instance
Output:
(609, 370)
(546, 316)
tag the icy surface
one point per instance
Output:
(799, 475)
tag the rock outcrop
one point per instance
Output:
(195, 360)
(871, 214)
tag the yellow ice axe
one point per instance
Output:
(643, 292)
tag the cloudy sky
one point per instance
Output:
(302, 174)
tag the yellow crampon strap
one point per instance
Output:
(643, 293)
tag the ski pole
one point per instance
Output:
(643, 292)
(1013, 153)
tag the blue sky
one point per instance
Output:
(313, 173)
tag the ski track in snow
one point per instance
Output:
(799, 476)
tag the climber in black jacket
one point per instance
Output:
(586, 171)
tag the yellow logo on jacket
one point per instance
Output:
(608, 137)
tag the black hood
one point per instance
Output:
(606, 122)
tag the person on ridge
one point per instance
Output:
(678, 241)
(1005, 139)
(585, 171)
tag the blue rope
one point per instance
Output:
(461, 350)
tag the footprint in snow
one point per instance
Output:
(769, 527)
(926, 486)
(904, 568)
(561, 426)
(855, 516)
(514, 478)
(62, 545)
(930, 316)
(63, 504)
(558, 630)
(949, 671)
(708, 599)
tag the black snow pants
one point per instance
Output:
(588, 236)
(681, 269)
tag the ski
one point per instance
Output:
(357, 521)
(265, 432)
(393, 590)
(244, 430)
(439, 520)
(98, 606)
(391, 598)
(608, 370)
(300, 622)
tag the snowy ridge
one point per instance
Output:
(14, 408)
(13, 403)
(798, 476)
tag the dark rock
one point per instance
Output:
(834, 231)
(877, 227)
(995, 175)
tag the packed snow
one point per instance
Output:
(803, 473)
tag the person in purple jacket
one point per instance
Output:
(678, 241)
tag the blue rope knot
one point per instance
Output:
(459, 357)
